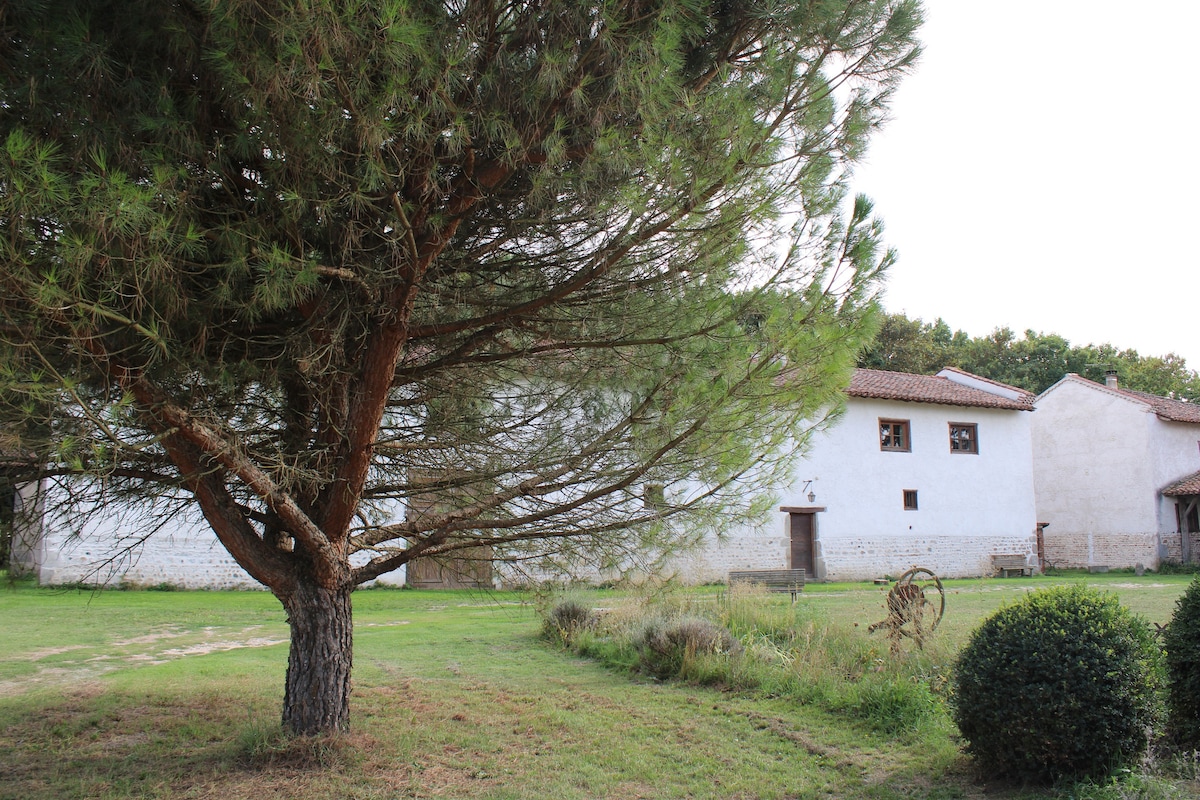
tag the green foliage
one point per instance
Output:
(890, 704)
(753, 643)
(304, 264)
(567, 618)
(1177, 568)
(1033, 361)
(1126, 785)
(544, 225)
(1181, 641)
(910, 345)
(1062, 684)
(261, 740)
(666, 647)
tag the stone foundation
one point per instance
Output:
(857, 558)
(1115, 550)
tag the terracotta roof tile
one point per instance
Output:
(1188, 485)
(882, 385)
(1165, 407)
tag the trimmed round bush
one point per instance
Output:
(1182, 644)
(1059, 685)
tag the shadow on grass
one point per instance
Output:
(94, 744)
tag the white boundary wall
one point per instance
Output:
(112, 547)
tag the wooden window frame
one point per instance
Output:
(906, 435)
(973, 427)
(910, 500)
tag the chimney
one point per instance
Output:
(1110, 378)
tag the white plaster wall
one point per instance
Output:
(1092, 474)
(114, 546)
(1102, 460)
(25, 554)
(970, 506)
(1175, 454)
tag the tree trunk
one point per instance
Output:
(317, 697)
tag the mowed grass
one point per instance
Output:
(177, 694)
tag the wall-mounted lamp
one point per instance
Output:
(812, 497)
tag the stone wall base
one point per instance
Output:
(858, 558)
(1116, 550)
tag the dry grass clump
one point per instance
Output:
(567, 618)
(670, 648)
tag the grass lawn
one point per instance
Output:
(176, 694)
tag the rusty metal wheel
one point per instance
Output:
(922, 593)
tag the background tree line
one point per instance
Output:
(1033, 361)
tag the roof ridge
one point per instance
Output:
(985, 378)
(1167, 408)
(908, 386)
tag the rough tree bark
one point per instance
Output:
(317, 692)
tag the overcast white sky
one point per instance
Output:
(1041, 171)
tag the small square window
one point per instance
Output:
(964, 437)
(910, 499)
(893, 435)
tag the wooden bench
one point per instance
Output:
(1009, 564)
(776, 580)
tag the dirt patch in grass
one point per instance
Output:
(46, 652)
(48, 677)
(403, 760)
(93, 664)
(151, 638)
(212, 640)
(431, 779)
(217, 646)
(484, 751)
(284, 786)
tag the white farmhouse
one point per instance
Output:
(1116, 475)
(920, 470)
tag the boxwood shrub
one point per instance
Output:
(1182, 644)
(1061, 684)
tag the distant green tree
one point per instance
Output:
(910, 345)
(299, 264)
(1034, 361)
(1167, 376)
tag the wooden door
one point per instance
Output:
(802, 530)
(1187, 512)
(470, 568)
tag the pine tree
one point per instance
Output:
(303, 263)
